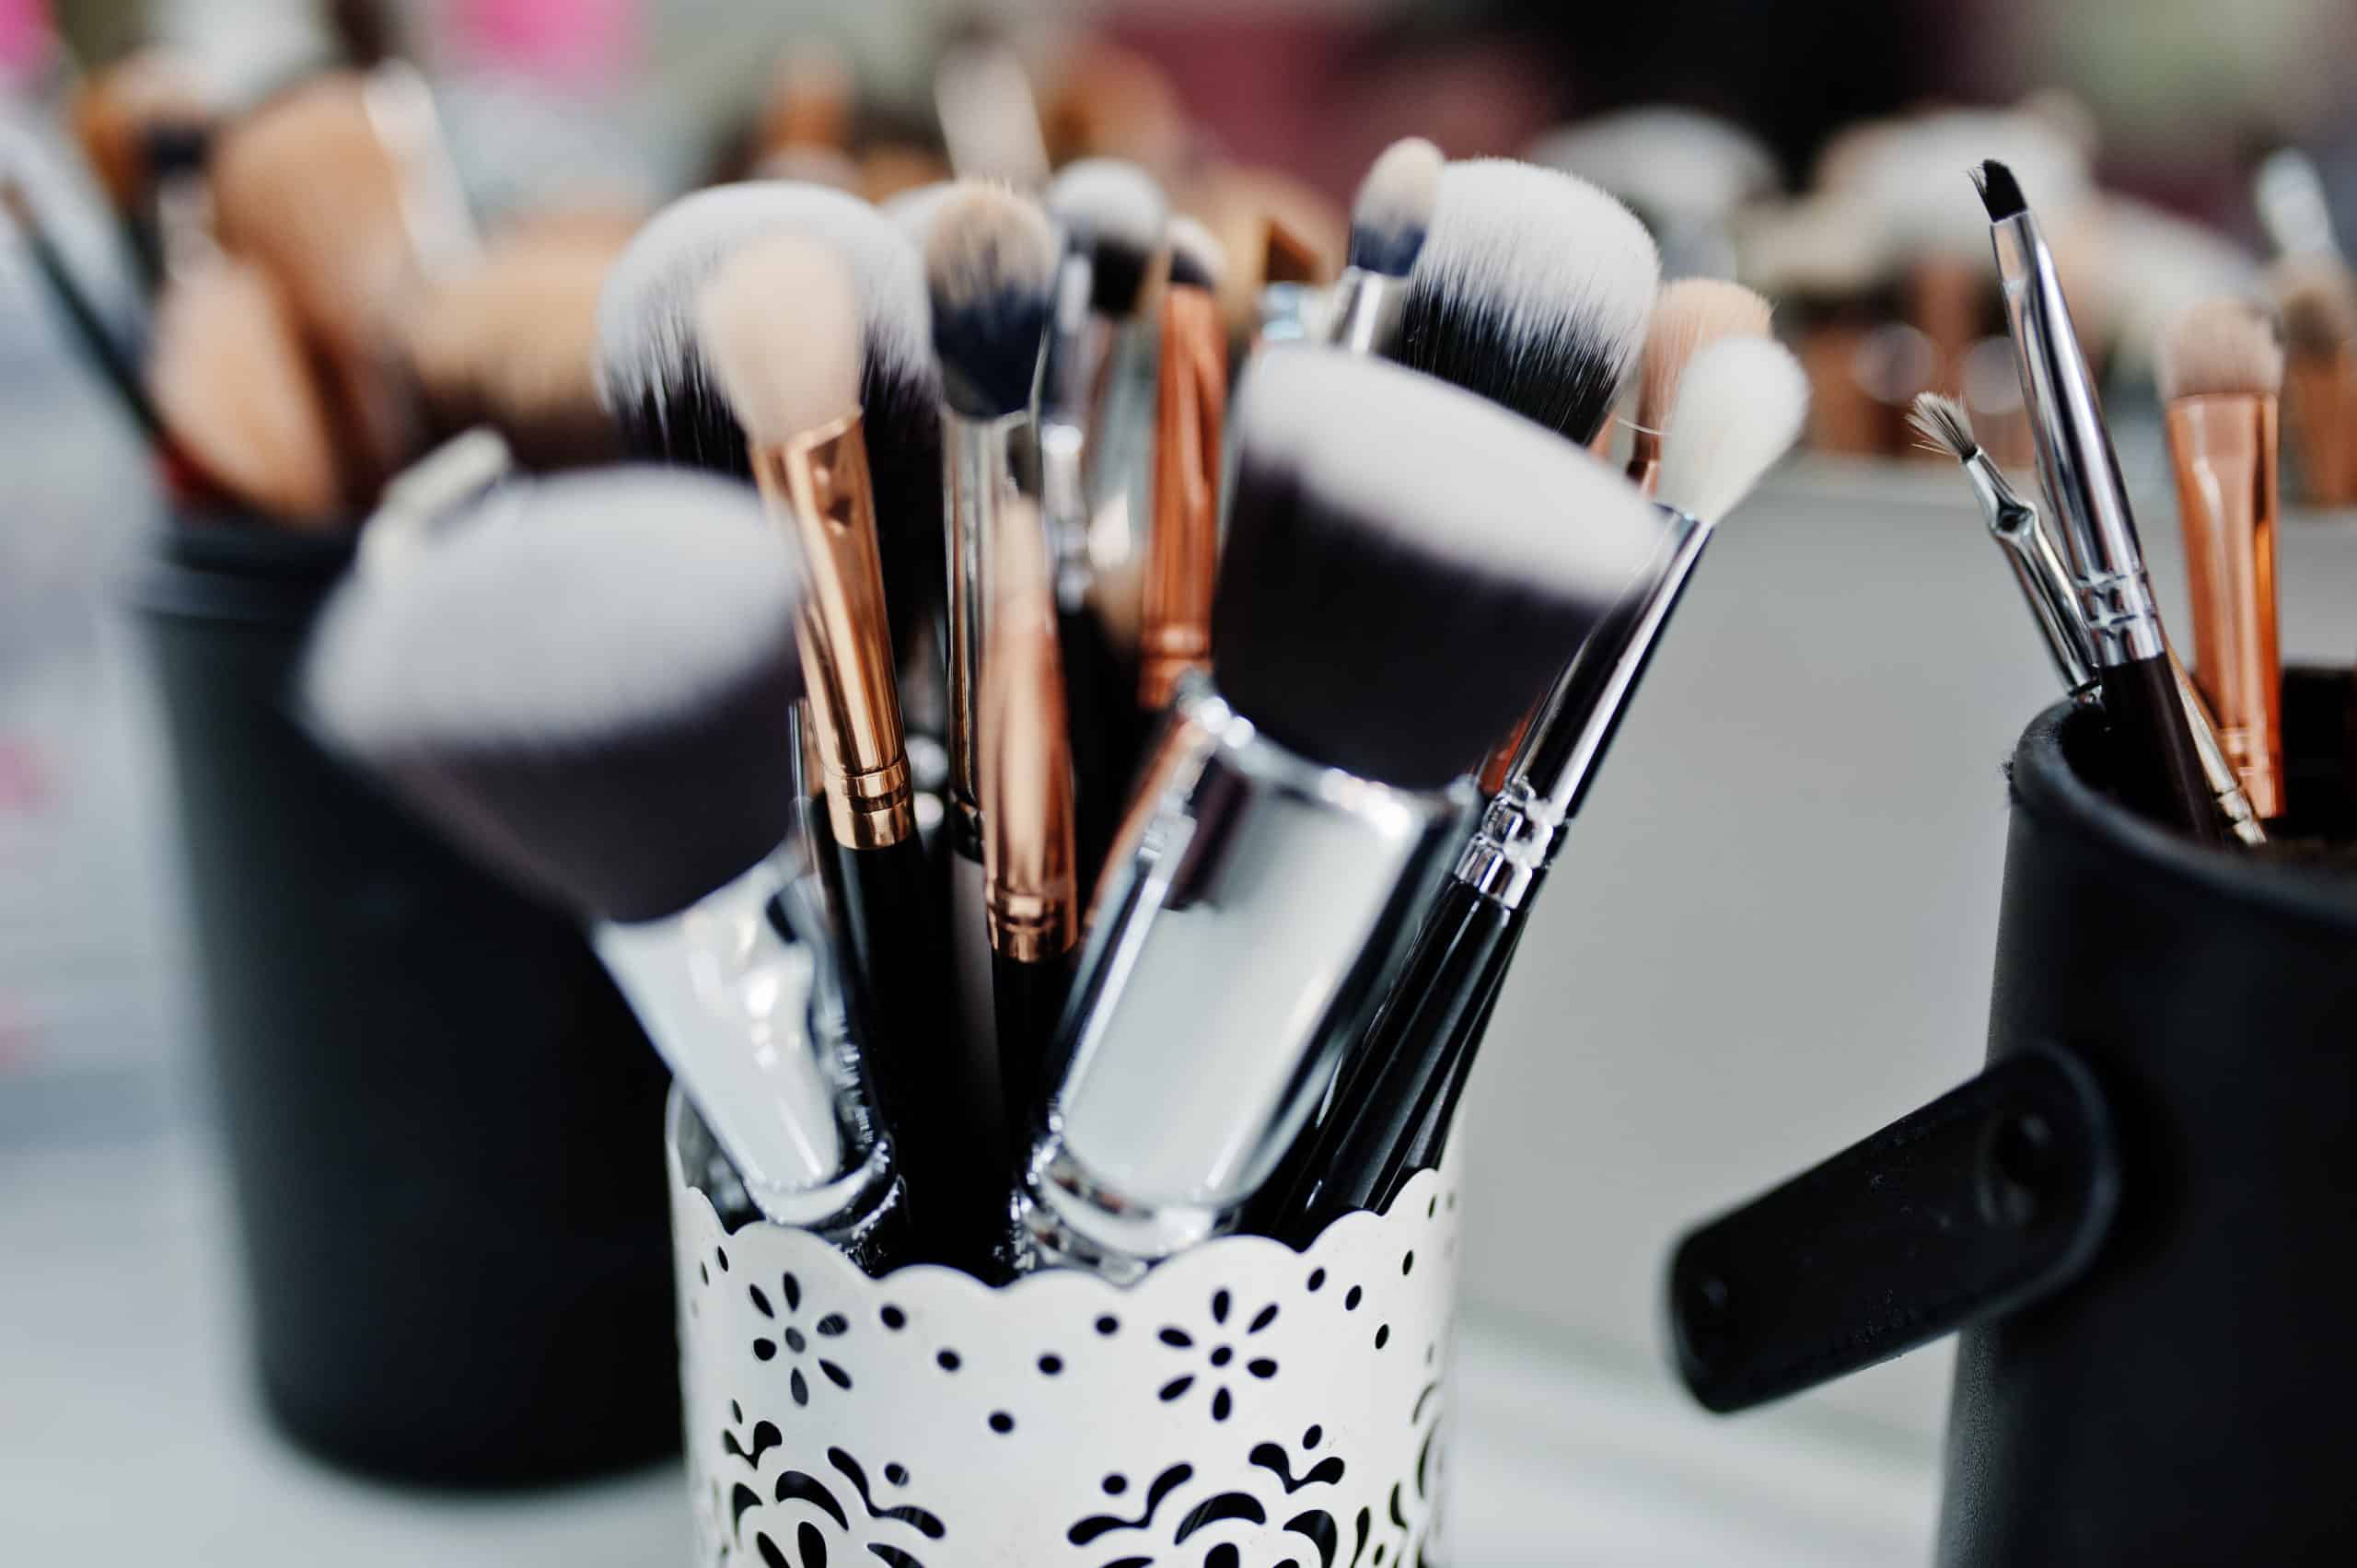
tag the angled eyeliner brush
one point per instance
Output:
(2160, 771)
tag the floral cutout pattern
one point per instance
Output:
(795, 1343)
(788, 1514)
(1225, 1353)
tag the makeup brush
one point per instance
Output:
(630, 763)
(1690, 314)
(1533, 289)
(1685, 173)
(2053, 599)
(989, 121)
(1191, 412)
(1389, 220)
(1739, 407)
(2220, 370)
(655, 376)
(1031, 893)
(914, 209)
(2159, 771)
(779, 323)
(989, 261)
(1393, 550)
(2316, 297)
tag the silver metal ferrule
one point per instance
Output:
(1522, 827)
(1079, 342)
(978, 480)
(2040, 570)
(1363, 311)
(1256, 911)
(2075, 460)
(739, 1013)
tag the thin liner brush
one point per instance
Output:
(779, 323)
(2160, 766)
(1389, 221)
(1190, 411)
(1741, 407)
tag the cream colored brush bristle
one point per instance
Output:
(231, 381)
(2317, 299)
(780, 323)
(2220, 346)
(1689, 314)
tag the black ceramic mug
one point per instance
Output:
(2142, 1215)
(440, 1114)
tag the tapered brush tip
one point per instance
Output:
(780, 321)
(1114, 211)
(1739, 409)
(1942, 421)
(989, 263)
(588, 686)
(1691, 314)
(1394, 207)
(2219, 347)
(1197, 258)
(2000, 193)
(1388, 612)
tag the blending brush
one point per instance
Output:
(631, 762)
(989, 261)
(1690, 313)
(2053, 599)
(2159, 768)
(1533, 289)
(654, 375)
(1031, 894)
(1191, 414)
(1395, 588)
(2220, 370)
(1389, 221)
(1740, 406)
(779, 323)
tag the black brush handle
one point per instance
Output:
(1107, 734)
(2158, 773)
(1431, 1141)
(1027, 999)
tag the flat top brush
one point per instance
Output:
(1533, 289)
(1690, 314)
(1395, 588)
(586, 687)
(2160, 774)
(1389, 221)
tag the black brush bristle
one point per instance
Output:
(1117, 273)
(989, 264)
(2000, 191)
(1566, 378)
(1406, 565)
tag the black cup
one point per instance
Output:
(443, 1126)
(2142, 1215)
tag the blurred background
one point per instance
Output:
(1778, 909)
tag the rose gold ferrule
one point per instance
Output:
(2224, 450)
(2320, 395)
(1182, 556)
(819, 478)
(1644, 458)
(1030, 892)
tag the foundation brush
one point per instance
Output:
(630, 762)
(2159, 766)
(1190, 417)
(2047, 587)
(1389, 221)
(1740, 407)
(779, 323)
(1393, 548)
(989, 261)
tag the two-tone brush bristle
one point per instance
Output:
(1533, 289)
(1945, 425)
(1394, 207)
(588, 690)
(1113, 212)
(1197, 258)
(989, 263)
(1739, 407)
(784, 371)
(2219, 347)
(1397, 583)
(914, 209)
(1691, 314)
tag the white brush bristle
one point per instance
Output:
(1739, 407)
(1109, 202)
(779, 322)
(1690, 315)
(914, 210)
(1394, 207)
(985, 242)
(2220, 346)
(1942, 421)
(1197, 258)
(1678, 166)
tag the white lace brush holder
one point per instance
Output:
(1243, 1406)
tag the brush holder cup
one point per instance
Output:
(439, 1116)
(2140, 1215)
(1243, 1405)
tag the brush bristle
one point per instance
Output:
(2219, 347)
(1739, 407)
(990, 262)
(779, 322)
(1690, 315)
(1399, 581)
(914, 210)
(2316, 297)
(1675, 166)
(588, 690)
(1113, 210)
(2000, 193)
(1394, 208)
(1197, 258)
(1533, 290)
(1942, 421)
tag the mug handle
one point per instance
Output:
(1994, 1196)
